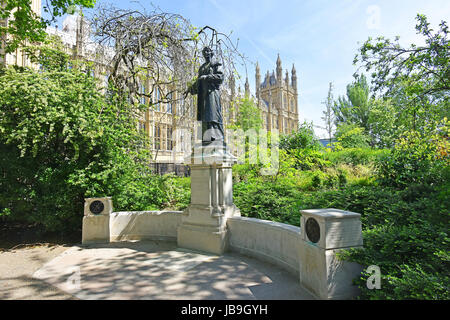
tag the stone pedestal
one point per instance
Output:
(97, 212)
(325, 232)
(203, 224)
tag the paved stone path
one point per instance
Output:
(160, 270)
(16, 270)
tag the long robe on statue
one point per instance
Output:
(209, 109)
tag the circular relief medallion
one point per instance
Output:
(97, 207)
(312, 229)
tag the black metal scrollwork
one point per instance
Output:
(97, 207)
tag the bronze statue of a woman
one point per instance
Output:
(209, 109)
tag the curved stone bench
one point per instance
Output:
(144, 225)
(309, 252)
(277, 243)
(269, 241)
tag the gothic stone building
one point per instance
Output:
(17, 57)
(277, 98)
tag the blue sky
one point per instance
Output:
(320, 36)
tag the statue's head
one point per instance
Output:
(207, 53)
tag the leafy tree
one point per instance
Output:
(355, 107)
(303, 138)
(417, 78)
(25, 26)
(49, 54)
(303, 146)
(385, 123)
(328, 114)
(418, 158)
(248, 115)
(62, 140)
(350, 136)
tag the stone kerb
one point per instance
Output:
(324, 233)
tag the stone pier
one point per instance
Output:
(204, 222)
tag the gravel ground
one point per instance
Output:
(17, 267)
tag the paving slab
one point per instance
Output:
(160, 270)
(17, 267)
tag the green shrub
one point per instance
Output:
(275, 201)
(342, 178)
(355, 156)
(405, 231)
(417, 158)
(303, 138)
(177, 191)
(317, 180)
(307, 159)
(350, 136)
(62, 141)
(331, 181)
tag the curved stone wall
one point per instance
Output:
(310, 256)
(144, 225)
(273, 242)
(277, 243)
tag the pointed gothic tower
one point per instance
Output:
(258, 81)
(278, 98)
(247, 88)
(294, 78)
(279, 70)
(232, 86)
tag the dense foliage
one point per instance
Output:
(62, 140)
(401, 192)
(405, 214)
(349, 135)
(355, 107)
(26, 26)
(248, 115)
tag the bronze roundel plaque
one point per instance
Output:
(97, 207)
(312, 229)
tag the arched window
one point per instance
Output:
(157, 98)
(181, 108)
(169, 103)
(142, 91)
(169, 139)
(157, 137)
